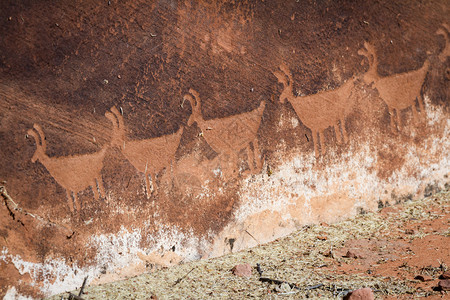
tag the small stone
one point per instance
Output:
(283, 288)
(352, 254)
(445, 275)
(444, 284)
(328, 253)
(423, 278)
(360, 294)
(118, 76)
(322, 237)
(388, 210)
(244, 270)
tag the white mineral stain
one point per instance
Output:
(297, 188)
(297, 193)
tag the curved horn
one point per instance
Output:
(191, 100)
(287, 72)
(285, 78)
(113, 118)
(42, 135)
(194, 93)
(36, 137)
(444, 30)
(119, 117)
(115, 111)
(118, 130)
(369, 49)
(194, 98)
(364, 51)
(38, 145)
(371, 75)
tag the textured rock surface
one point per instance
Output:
(178, 130)
(444, 284)
(360, 294)
(244, 270)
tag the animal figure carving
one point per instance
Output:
(398, 91)
(231, 134)
(148, 156)
(444, 31)
(74, 173)
(321, 110)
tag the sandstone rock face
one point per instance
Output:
(139, 134)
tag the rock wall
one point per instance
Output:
(136, 134)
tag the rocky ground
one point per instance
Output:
(399, 252)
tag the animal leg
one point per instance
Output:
(250, 158)
(322, 140)
(231, 165)
(225, 165)
(171, 170)
(316, 146)
(77, 204)
(94, 189)
(70, 200)
(399, 119)
(391, 117)
(147, 186)
(101, 187)
(415, 115)
(337, 133)
(154, 188)
(344, 132)
(421, 103)
(421, 106)
(257, 154)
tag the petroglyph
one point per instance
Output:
(74, 173)
(444, 31)
(148, 156)
(227, 136)
(398, 91)
(319, 111)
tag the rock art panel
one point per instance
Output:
(398, 91)
(149, 156)
(233, 169)
(227, 136)
(319, 111)
(74, 173)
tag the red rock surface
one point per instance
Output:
(192, 129)
(444, 284)
(360, 294)
(446, 275)
(244, 270)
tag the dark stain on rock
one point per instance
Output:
(65, 66)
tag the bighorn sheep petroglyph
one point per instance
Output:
(231, 134)
(321, 110)
(74, 173)
(398, 91)
(148, 156)
(444, 31)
